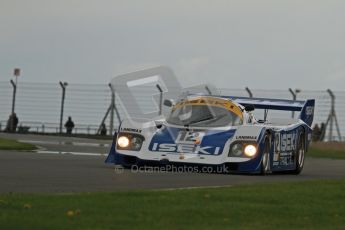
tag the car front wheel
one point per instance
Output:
(265, 162)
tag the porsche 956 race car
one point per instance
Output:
(221, 132)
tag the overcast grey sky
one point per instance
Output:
(262, 44)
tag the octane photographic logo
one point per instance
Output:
(157, 81)
(173, 169)
(160, 82)
(119, 169)
(157, 84)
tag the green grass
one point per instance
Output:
(324, 153)
(6, 144)
(298, 205)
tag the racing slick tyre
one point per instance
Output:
(300, 154)
(265, 162)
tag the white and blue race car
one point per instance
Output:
(219, 132)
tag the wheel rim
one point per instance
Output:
(301, 154)
(265, 158)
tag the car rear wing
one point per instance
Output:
(306, 107)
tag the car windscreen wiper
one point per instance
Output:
(209, 118)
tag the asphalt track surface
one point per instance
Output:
(66, 164)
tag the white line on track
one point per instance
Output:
(66, 143)
(70, 153)
(195, 187)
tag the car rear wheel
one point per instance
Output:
(265, 162)
(300, 154)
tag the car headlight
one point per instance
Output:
(136, 143)
(242, 149)
(129, 141)
(123, 141)
(236, 150)
(250, 150)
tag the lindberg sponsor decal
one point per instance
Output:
(246, 137)
(131, 130)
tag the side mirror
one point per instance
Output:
(168, 103)
(249, 108)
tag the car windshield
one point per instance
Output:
(203, 115)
